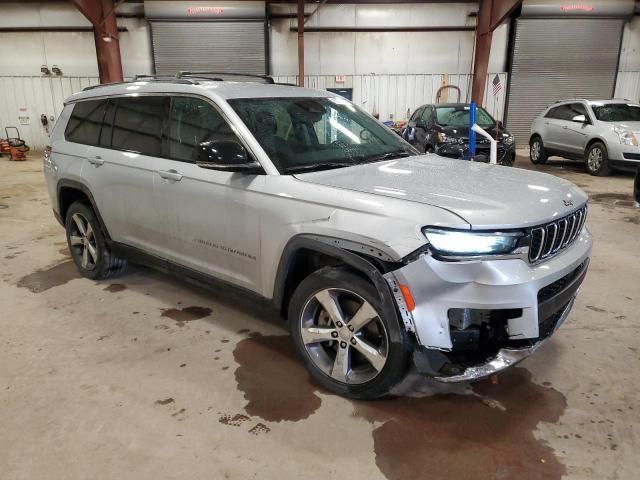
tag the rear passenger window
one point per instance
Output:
(85, 122)
(137, 125)
(193, 121)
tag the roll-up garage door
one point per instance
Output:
(222, 46)
(554, 59)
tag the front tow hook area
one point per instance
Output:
(433, 363)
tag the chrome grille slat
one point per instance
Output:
(548, 239)
(548, 244)
(562, 225)
(578, 225)
(572, 220)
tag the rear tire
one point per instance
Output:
(354, 351)
(88, 246)
(597, 160)
(537, 153)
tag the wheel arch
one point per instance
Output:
(70, 191)
(533, 136)
(305, 254)
(592, 141)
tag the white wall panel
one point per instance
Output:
(40, 95)
(630, 51)
(628, 86)
(392, 95)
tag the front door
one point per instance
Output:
(211, 216)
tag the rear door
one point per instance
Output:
(211, 216)
(122, 167)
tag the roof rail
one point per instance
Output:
(146, 77)
(209, 75)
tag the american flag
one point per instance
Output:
(497, 85)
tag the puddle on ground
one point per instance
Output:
(53, 276)
(115, 288)
(186, 314)
(275, 384)
(613, 199)
(442, 436)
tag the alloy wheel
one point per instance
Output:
(344, 336)
(82, 241)
(594, 162)
(535, 151)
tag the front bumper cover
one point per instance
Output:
(537, 298)
(505, 358)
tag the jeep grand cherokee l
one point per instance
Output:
(377, 256)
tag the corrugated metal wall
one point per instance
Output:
(392, 95)
(38, 95)
(386, 94)
(628, 86)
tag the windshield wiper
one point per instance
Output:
(385, 156)
(318, 166)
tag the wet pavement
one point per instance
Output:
(148, 377)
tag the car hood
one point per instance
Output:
(485, 196)
(635, 126)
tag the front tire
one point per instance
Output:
(87, 244)
(597, 160)
(343, 337)
(537, 153)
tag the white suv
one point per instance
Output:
(605, 134)
(378, 257)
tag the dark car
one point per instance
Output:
(443, 128)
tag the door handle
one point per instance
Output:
(172, 175)
(565, 127)
(97, 161)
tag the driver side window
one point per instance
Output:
(193, 121)
(427, 116)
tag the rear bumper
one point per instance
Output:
(473, 319)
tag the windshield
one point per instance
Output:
(314, 133)
(616, 112)
(458, 116)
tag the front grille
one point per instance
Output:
(547, 240)
(551, 290)
(631, 156)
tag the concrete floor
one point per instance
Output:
(145, 377)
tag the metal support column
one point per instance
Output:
(301, 43)
(102, 15)
(491, 14)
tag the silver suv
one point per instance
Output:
(605, 134)
(378, 257)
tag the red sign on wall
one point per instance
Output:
(577, 7)
(205, 10)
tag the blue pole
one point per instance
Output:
(472, 134)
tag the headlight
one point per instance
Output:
(467, 243)
(444, 138)
(507, 138)
(626, 137)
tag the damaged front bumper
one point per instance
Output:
(472, 319)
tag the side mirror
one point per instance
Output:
(579, 119)
(226, 155)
